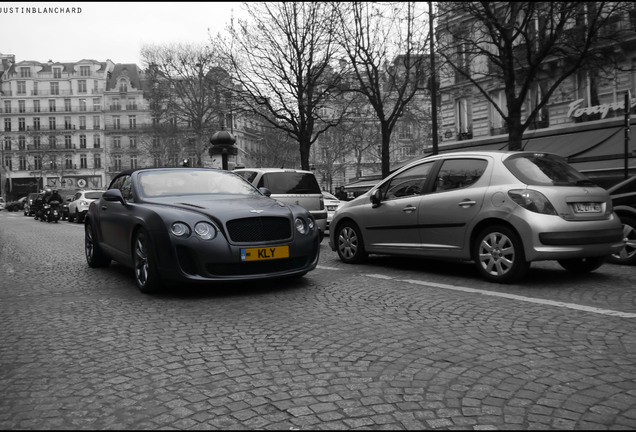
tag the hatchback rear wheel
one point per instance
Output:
(627, 255)
(499, 256)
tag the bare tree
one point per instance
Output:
(385, 45)
(275, 149)
(527, 48)
(185, 89)
(281, 60)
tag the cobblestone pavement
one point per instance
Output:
(391, 344)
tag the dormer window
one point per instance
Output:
(57, 72)
(85, 71)
(25, 72)
(123, 86)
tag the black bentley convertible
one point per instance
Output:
(197, 225)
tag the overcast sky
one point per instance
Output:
(106, 30)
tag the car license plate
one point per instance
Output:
(264, 253)
(587, 207)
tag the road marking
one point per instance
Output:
(511, 296)
(327, 268)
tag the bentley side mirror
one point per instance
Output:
(265, 191)
(114, 195)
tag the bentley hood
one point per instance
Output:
(231, 208)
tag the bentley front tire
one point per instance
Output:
(95, 257)
(146, 274)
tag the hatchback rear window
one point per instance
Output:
(545, 170)
(290, 183)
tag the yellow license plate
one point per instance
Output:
(264, 253)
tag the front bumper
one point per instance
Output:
(196, 260)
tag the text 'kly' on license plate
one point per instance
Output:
(590, 207)
(264, 253)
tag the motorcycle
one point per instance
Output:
(52, 211)
(38, 213)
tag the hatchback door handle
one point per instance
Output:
(467, 203)
(409, 209)
(104, 207)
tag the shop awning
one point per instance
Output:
(604, 165)
(588, 150)
(573, 144)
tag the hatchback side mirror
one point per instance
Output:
(376, 198)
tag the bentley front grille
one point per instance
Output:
(258, 229)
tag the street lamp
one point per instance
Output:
(223, 144)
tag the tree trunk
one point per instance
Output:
(385, 154)
(515, 131)
(305, 145)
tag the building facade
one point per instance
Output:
(51, 115)
(583, 120)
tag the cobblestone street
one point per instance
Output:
(391, 344)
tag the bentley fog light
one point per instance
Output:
(205, 230)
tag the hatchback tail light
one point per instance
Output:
(532, 200)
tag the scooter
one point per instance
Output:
(52, 211)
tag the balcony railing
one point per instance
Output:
(51, 93)
(57, 110)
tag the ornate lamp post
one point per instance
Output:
(223, 144)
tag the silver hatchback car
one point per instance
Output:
(501, 210)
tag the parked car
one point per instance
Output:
(16, 205)
(197, 225)
(291, 186)
(28, 203)
(331, 204)
(2, 203)
(502, 210)
(623, 196)
(66, 201)
(78, 206)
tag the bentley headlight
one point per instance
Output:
(301, 226)
(205, 230)
(312, 224)
(180, 229)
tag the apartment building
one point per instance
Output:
(51, 116)
(126, 120)
(75, 125)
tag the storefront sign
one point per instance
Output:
(577, 111)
